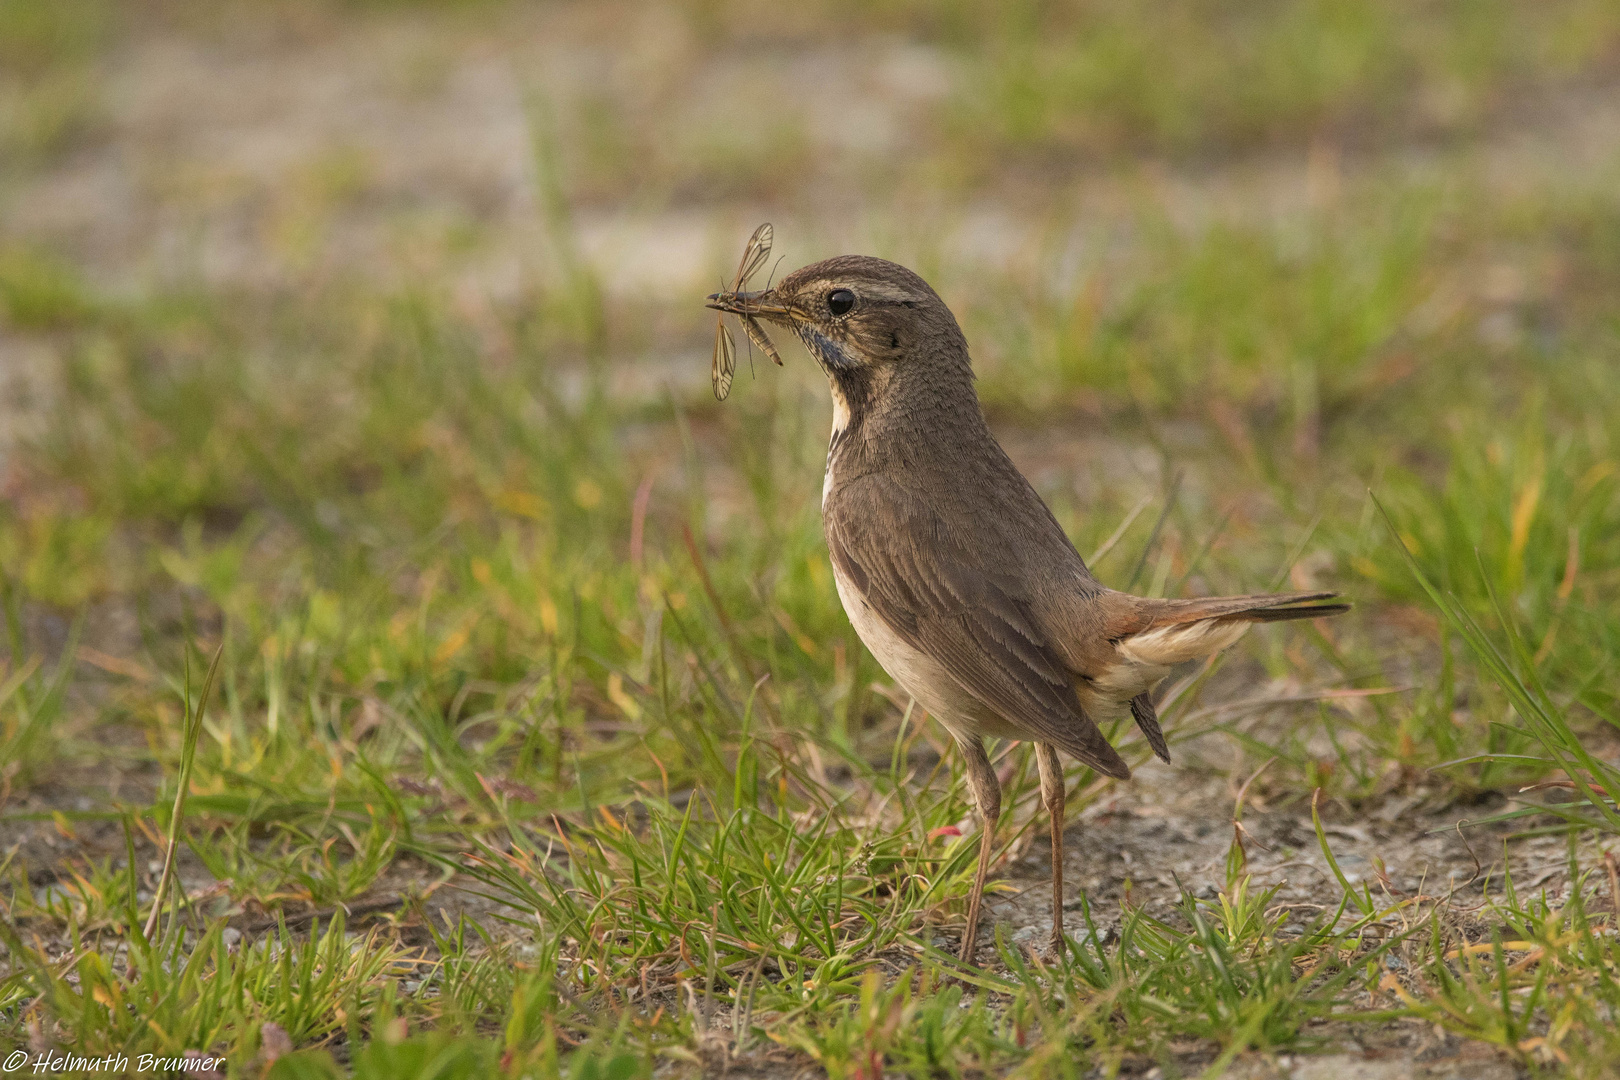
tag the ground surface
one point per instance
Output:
(362, 341)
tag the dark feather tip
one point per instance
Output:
(1147, 718)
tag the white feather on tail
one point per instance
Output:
(1167, 646)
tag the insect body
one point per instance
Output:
(725, 348)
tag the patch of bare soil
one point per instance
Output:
(1171, 830)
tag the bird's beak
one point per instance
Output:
(763, 304)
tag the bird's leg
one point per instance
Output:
(987, 793)
(1052, 795)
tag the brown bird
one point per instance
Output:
(951, 568)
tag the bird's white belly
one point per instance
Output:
(919, 674)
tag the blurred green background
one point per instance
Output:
(366, 338)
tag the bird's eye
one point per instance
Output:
(839, 301)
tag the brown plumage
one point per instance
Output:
(951, 568)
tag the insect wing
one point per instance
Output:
(725, 347)
(754, 256)
(725, 360)
(756, 334)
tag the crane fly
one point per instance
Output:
(725, 347)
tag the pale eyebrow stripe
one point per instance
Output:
(883, 292)
(867, 290)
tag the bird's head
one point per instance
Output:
(861, 318)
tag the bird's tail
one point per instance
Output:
(1163, 633)
(1258, 607)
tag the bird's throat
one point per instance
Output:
(841, 415)
(832, 356)
(842, 420)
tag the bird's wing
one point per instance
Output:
(965, 609)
